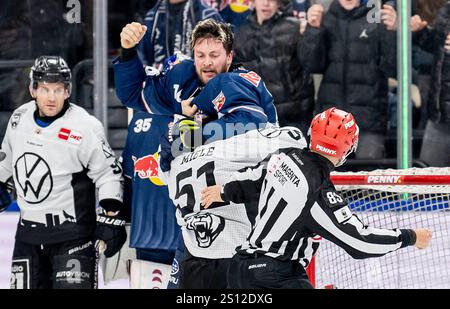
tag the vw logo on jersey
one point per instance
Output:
(34, 177)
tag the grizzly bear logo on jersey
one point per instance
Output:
(206, 227)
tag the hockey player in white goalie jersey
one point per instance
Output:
(212, 235)
(59, 159)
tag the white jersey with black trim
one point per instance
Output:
(215, 232)
(56, 170)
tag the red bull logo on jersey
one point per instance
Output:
(219, 101)
(147, 168)
(239, 6)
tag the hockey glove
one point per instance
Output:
(5, 198)
(190, 133)
(183, 136)
(110, 230)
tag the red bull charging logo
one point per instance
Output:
(147, 168)
(239, 6)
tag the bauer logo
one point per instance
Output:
(384, 179)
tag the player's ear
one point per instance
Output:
(230, 58)
(32, 91)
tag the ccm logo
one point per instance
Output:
(384, 179)
(326, 150)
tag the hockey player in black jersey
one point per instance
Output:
(59, 158)
(298, 200)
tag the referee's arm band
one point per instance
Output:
(408, 237)
(222, 194)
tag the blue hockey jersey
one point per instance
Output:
(239, 90)
(152, 212)
(244, 95)
(160, 94)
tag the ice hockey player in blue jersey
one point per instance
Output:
(154, 230)
(238, 99)
(163, 92)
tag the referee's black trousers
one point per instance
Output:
(263, 272)
(201, 273)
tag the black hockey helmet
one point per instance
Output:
(50, 69)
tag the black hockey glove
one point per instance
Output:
(5, 198)
(110, 230)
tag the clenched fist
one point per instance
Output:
(417, 23)
(314, 15)
(132, 34)
(423, 238)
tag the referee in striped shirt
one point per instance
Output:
(297, 201)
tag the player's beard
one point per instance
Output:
(204, 81)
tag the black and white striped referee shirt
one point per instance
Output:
(297, 201)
